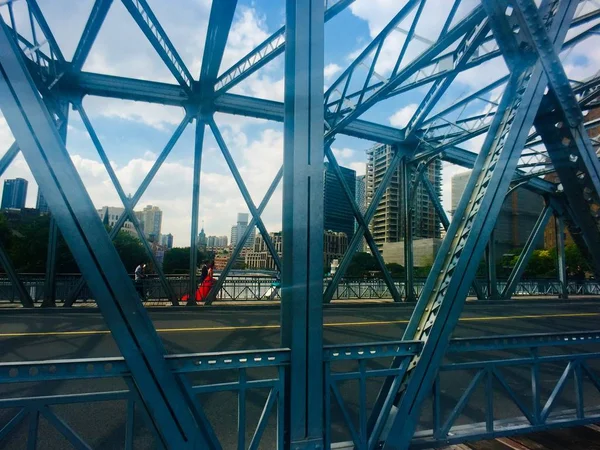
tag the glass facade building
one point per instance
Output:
(337, 211)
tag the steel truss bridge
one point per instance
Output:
(536, 127)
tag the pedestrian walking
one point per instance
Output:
(139, 275)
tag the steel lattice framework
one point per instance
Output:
(533, 121)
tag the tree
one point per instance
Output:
(396, 270)
(574, 258)
(177, 260)
(361, 264)
(130, 250)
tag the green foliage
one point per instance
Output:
(575, 258)
(130, 250)
(396, 270)
(177, 260)
(26, 243)
(542, 263)
(361, 264)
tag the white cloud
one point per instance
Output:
(359, 167)
(261, 86)
(331, 70)
(401, 117)
(343, 153)
(151, 114)
(248, 30)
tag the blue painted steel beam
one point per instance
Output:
(475, 17)
(465, 51)
(244, 191)
(198, 147)
(53, 170)
(50, 276)
(132, 203)
(364, 230)
(562, 130)
(435, 201)
(442, 216)
(8, 157)
(90, 32)
(491, 268)
(24, 296)
(406, 227)
(434, 70)
(268, 50)
(41, 20)
(302, 269)
(219, 24)
(242, 240)
(446, 288)
(12, 275)
(129, 213)
(399, 154)
(53, 232)
(150, 26)
(561, 258)
(532, 241)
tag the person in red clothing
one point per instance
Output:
(207, 283)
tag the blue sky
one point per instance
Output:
(134, 133)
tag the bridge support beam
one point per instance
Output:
(302, 266)
(492, 280)
(53, 233)
(170, 407)
(561, 260)
(406, 228)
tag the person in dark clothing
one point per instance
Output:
(139, 275)
(203, 272)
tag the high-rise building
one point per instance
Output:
(458, 184)
(166, 240)
(361, 201)
(151, 221)
(201, 241)
(41, 204)
(517, 217)
(385, 225)
(110, 216)
(361, 193)
(260, 257)
(337, 211)
(216, 241)
(239, 229)
(14, 193)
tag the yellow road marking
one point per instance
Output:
(267, 327)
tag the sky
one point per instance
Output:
(134, 133)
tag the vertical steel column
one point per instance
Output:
(50, 278)
(559, 223)
(302, 274)
(199, 139)
(491, 268)
(406, 230)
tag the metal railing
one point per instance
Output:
(252, 288)
(487, 388)
(193, 370)
(477, 373)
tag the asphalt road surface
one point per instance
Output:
(35, 336)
